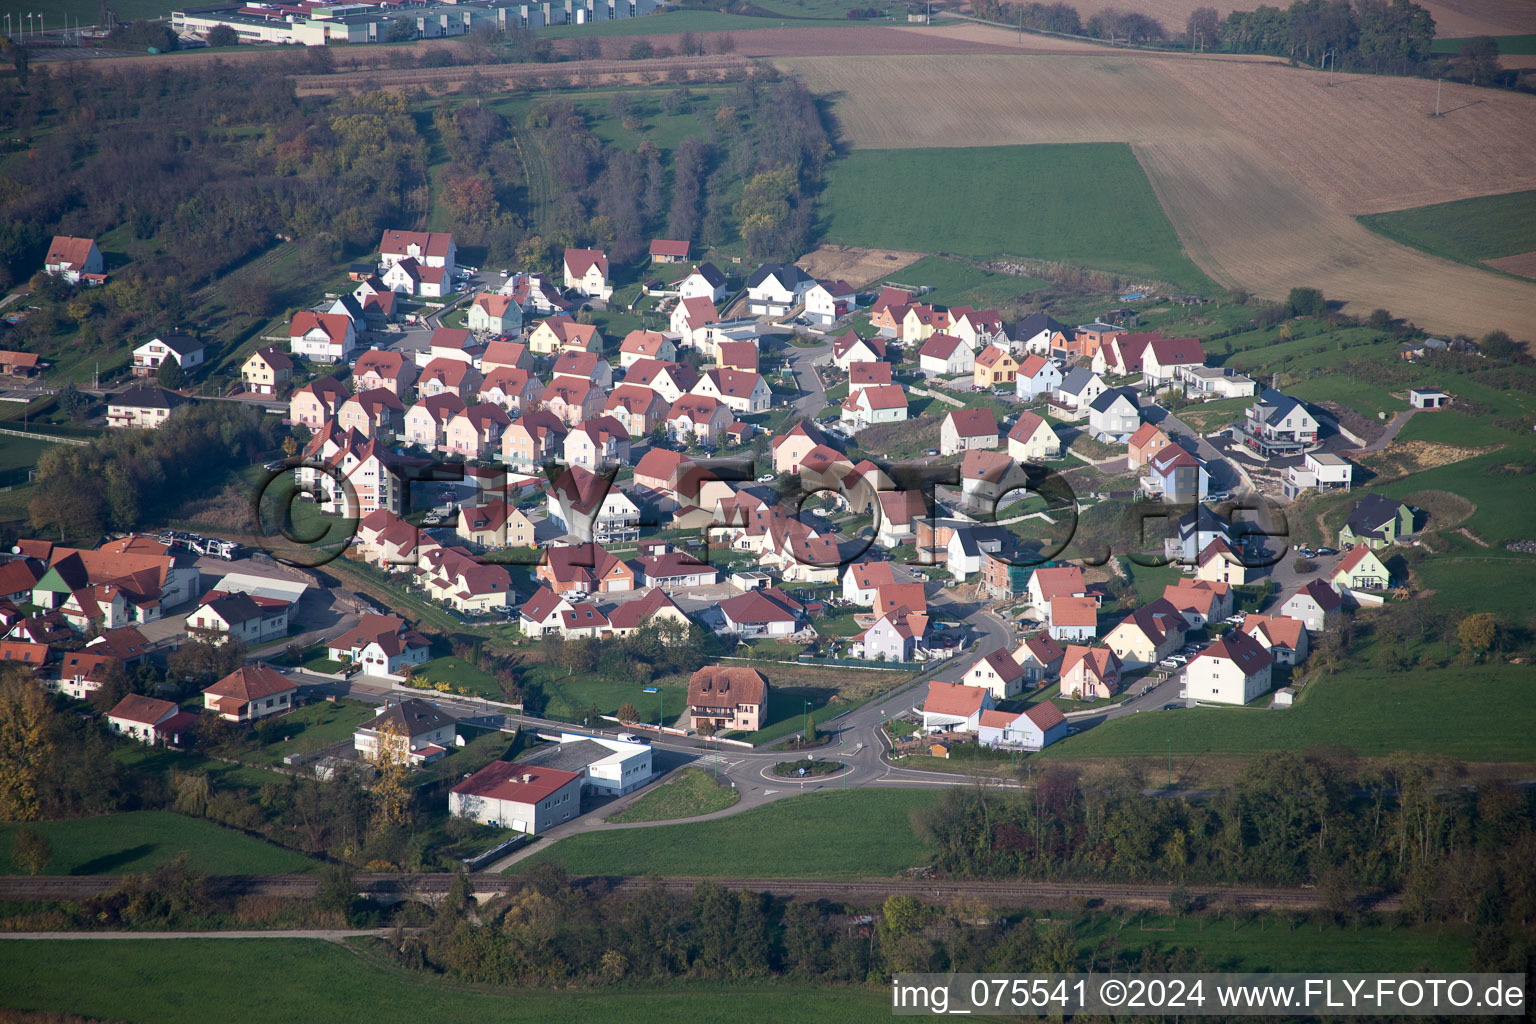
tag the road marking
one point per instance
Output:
(769, 792)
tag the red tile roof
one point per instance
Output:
(69, 250)
(716, 686)
(954, 699)
(516, 783)
(141, 709)
(973, 422)
(670, 247)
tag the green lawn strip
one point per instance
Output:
(192, 981)
(139, 841)
(1511, 45)
(1463, 584)
(1368, 711)
(570, 694)
(687, 794)
(314, 726)
(832, 834)
(1468, 230)
(462, 676)
(1087, 203)
(1267, 943)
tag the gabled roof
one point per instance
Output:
(871, 575)
(699, 311)
(674, 248)
(1060, 581)
(1034, 324)
(1026, 427)
(1042, 647)
(441, 408)
(147, 396)
(1371, 514)
(333, 325)
(940, 346)
(758, 606)
(973, 422)
(1112, 397)
(992, 355)
(542, 605)
(882, 396)
(716, 686)
(633, 614)
(69, 250)
(494, 304)
(413, 716)
(579, 261)
(1002, 663)
(710, 273)
(786, 274)
(1353, 557)
(141, 709)
(1279, 630)
(252, 682)
(1241, 650)
(1076, 380)
(734, 383)
(1044, 715)
(1325, 596)
(516, 783)
(434, 244)
(642, 342)
(1101, 662)
(1074, 611)
(1167, 459)
(1171, 351)
(955, 699)
(1145, 435)
(181, 344)
(1033, 364)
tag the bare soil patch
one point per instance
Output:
(1243, 214)
(859, 267)
(1456, 18)
(1402, 458)
(1524, 264)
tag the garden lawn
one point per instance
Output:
(1088, 204)
(1503, 502)
(687, 794)
(192, 981)
(1371, 712)
(314, 726)
(21, 452)
(863, 833)
(140, 841)
(1468, 231)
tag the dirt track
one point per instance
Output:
(1244, 215)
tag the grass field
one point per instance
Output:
(955, 283)
(1469, 231)
(1512, 45)
(1088, 204)
(138, 841)
(317, 725)
(1503, 502)
(1265, 943)
(88, 12)
(687, 794)
(192, 981)
(683, 21)
(1370, 712)
(833, 834)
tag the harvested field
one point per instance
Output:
(1457, 18)
(1523, 265)
(1241, 213)
(1346, 142)
(858, 266)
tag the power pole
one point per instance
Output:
(1438, 83)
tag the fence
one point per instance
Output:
(63, 435)
(946, 399)
(890, 666)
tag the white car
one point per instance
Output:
(765, 478)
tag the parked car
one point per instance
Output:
(1172, 707)
(1306, 552)
(766, 478)
(1327, 551)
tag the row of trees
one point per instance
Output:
(126, 478)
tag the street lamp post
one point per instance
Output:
(661, 706)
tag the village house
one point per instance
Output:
(250, 692)
(1037, 377)
(704, 281)
(698, 419)
(587, 366)
(1278, 424)
(574, 400)
(418, 731)
(868, 375)
(1147, 635)
(513, 355)
(1121, 356)
(447, 376)
(638, 410)
(955, 707)
(669, 250)
(322, 337)
(511, 388)
(921, 322)
(82, 673)
(1214, 382)
(898, 635)
(745, 393)
(995, 368)
(965, 429)
(476, 431)
(426, 422)
(1034, 728)
(776, 288)
(454, 577)
(996, 673)
(411, 277)
(1148, 440)
(868, 406)
(669, 380)
(979, 328)
(535, 293)
(533, 439)
(428, 248)
(373, 413)
(850, 349)
(586, 273)
(142, 407)
(316, 402)
(76, 260)
(384, 369)
(791, 447)
(1376, 522)
(767, 612)
(494, 313)
(542, 613)
(723, 699)
(152, 720)
(1163, 358)
(944, 355)
(20, 364)
(586, 507)
(1361, 569)
(1283, 637)
(266, 370)
(1114, 416)
(737, 355)
(641, 344)
(495, 524)
(1031, 439)
(691, 320)
(563, 334)
(597, 443)
(1073, 618)
(1318, 471)
(1050, 582)
(181, 349)
(1201, 602)
(1090, 673)
(1175, 477)
(251, 620)
(1033, 334)
(827, 302)
(1039, 658)
(1232, 670)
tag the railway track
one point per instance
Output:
(866, 892)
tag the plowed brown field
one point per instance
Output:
(1247, 210)
(858, 266)
(1523, 264)
(1453, 18)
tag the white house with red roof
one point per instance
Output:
(997, 673)
(849, 349)
(1034, 728)
(827, 302)
(955, 707)
(250, 692)
(691, 320)
(768, 612)
(583, 365)
(151, 720)
(965, 429)
(944, 355)
(1200, 601)
(873, 405)
(1073, 618)
(383, 645)
(1283, 637)
(521, 797)
(744, 392)
(586, 273)
(495, 313)
(1039, 656)
(76, 260)
(1233, 670)
(1051, 582)
(410, 277)
(542, 613)
(322, 337)
(1090, 673)
(669, 250)
(1162, 359)
(429, 248)
(1037, 378)
(641, 344)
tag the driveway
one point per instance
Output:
(802, 361)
